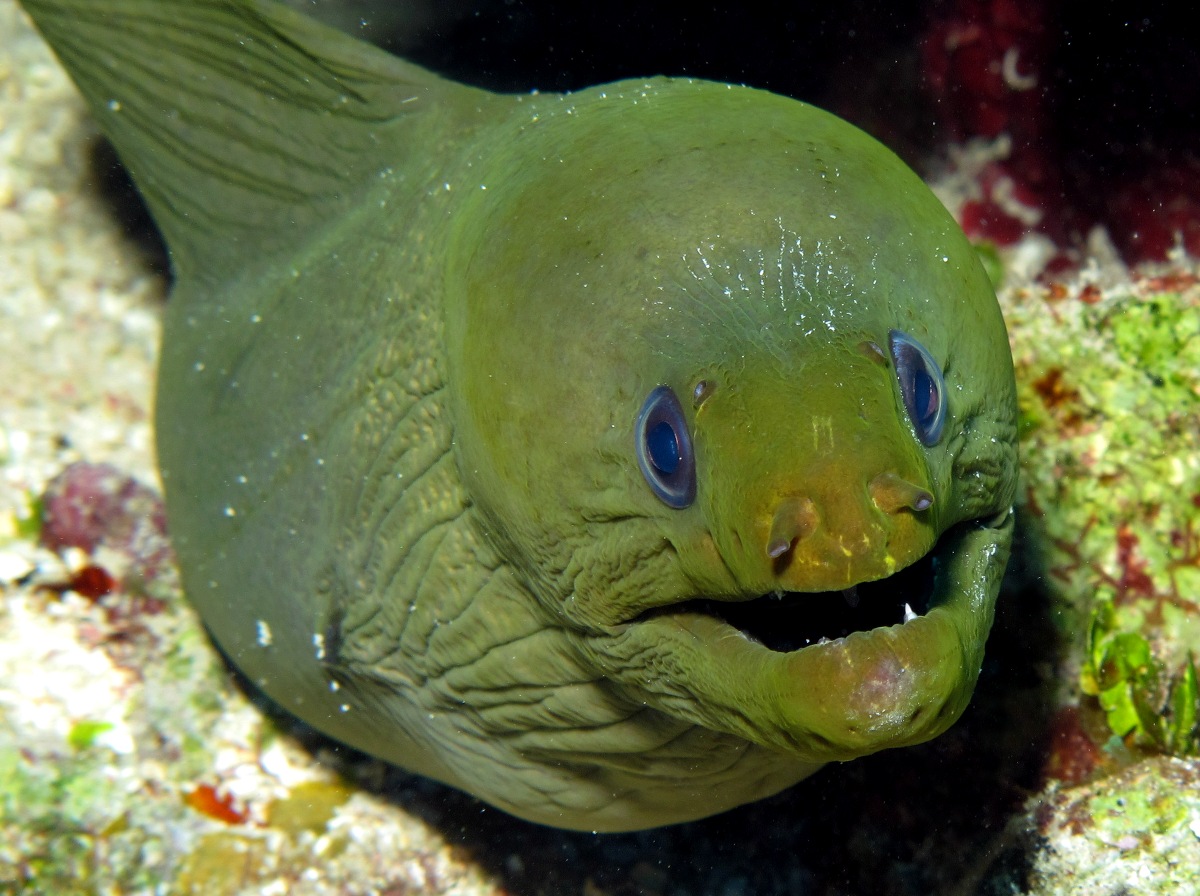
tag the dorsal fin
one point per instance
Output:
(242, 122)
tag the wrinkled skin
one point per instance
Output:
(412, 330)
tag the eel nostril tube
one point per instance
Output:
(795, 519)
(891, 494)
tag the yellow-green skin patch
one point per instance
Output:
(412, 328)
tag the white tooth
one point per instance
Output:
(909, 615)
(851, 595)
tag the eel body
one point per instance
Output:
(618, 457)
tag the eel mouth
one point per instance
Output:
(787, 621)
(827, 675)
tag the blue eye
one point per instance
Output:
(921, 386)
(664, 449)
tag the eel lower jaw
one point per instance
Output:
(812, 676)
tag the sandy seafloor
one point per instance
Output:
(115, 720)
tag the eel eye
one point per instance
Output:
(664, 449)
(921, 386)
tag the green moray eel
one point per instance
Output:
(618, 457)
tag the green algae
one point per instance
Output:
(222, 863)
(1139, 695)
(1136, 813)
(308, 806)
(63, 828)
(1136, 831)
(83, 734)
(29, 517)
(1109, 390)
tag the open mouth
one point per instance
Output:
(789, 620)
(786, 621)
(826, 676)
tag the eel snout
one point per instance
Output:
(827, 539)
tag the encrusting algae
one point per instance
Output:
(1109, 380)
